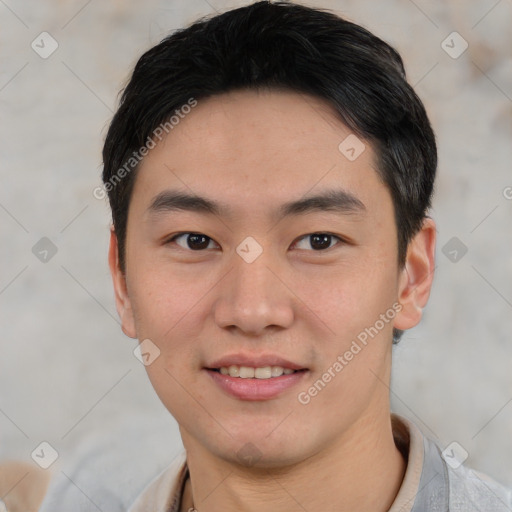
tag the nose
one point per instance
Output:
(254, 298)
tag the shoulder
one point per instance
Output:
(446, 483)
(471, 490)
(109, 467)
(468, 490)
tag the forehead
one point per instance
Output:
(256, 149)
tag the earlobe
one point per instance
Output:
(123, 303)
(415, 281)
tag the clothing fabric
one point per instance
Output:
(107, 468)
(432, 482)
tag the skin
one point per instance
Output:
(22, 485)
(255, 151)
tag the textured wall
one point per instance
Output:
(68, 374)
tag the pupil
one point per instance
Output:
(324, 238)
(192, 239)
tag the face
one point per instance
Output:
(258, 275)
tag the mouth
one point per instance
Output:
(250, 379)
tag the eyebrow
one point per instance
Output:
(336, 200)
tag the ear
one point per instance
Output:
(415, 280)
(123, 303)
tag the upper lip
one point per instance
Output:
(254, 361)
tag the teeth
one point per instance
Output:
(234, 371)
(247, 372)
(263, 373)
(276, 371)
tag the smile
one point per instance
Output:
(248, 372)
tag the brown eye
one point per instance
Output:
(320, 241)
(193, 241)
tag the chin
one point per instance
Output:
(260, 453)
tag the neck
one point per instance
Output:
(362, 471)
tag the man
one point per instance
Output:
(270, 173)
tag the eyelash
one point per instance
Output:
(174, 237)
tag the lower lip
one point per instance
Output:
(256, 389)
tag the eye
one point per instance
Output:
(320, 241)
(199, 241)
(194, 241)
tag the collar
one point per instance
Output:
(425, 487)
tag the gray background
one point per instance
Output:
(67, 373)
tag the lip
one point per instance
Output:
(255, 389)
(254, 361)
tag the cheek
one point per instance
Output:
(171, 306)
(355, 354)
(163, 296)
(352, 303)
(349, 298)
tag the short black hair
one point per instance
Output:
(280, 46)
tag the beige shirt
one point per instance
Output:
(164, 493)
